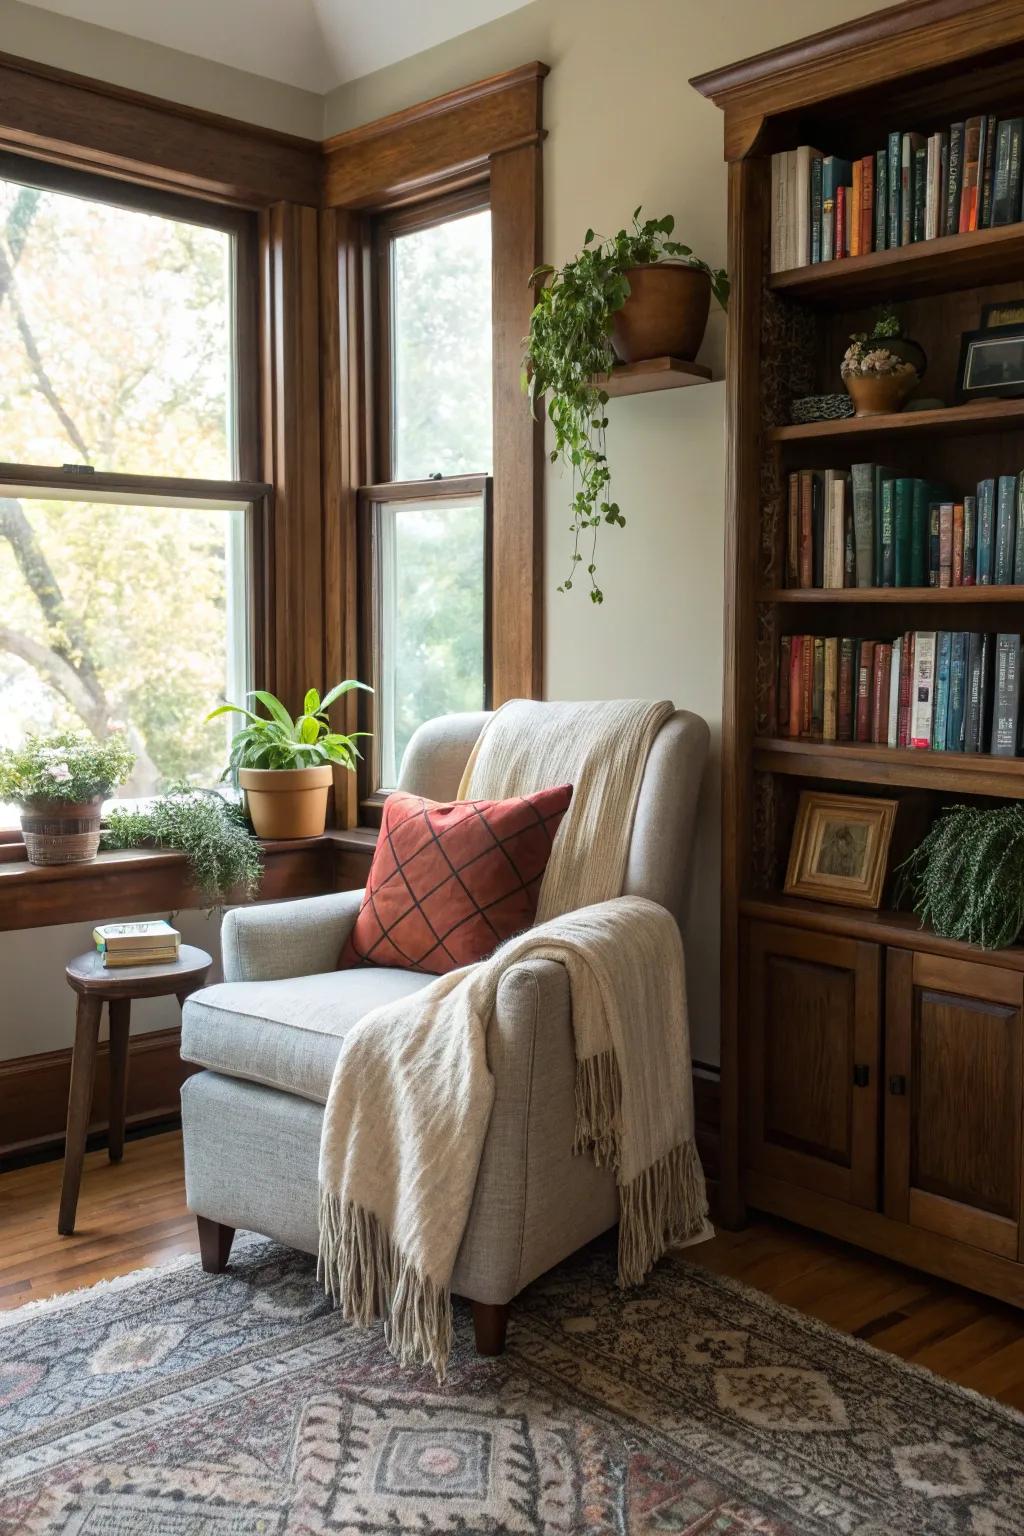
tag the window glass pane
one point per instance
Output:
(430, 561)
(441, 349)
(116, 338)
(130, 615)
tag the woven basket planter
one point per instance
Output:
(61, 831)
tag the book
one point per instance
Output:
(1005, 732)
(1006, 521)
(979, 693)
(857, 197)
(940, 712)
(957, 572)
(933, 188)
(881, 666)
(920, 498)
(943, 183)
(121, 958)
(793, 532)
(972, 150)
(988, 158)
(1006, 180)
(957, 693)
(817, 530)
(920, 193)
(903, 532)
(805, 556)
(1018, 546)
(922, 689)
(887, 538)
(986, 532)
(894, 175)
(906, 687)
(840, 242)
(818, 688)
(115, 937)
(782, 685)
(933, 543)
(862, 481)
(945, 544)
(910, 144)
(867, 205)
(895, 673)
(835, 540)
(830, 703)
(879, 474)
(954, 179)
(835, 173)
(805, 155)
(847, 690)
(849, 546)
(778, 199)
(865, 681)
(881, 199)
(796, 673)
(815, 213)
(970, 539)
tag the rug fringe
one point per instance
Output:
(598, 1108)
(665, 1204)
(368, 1277)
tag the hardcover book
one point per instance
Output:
(954, 179)
(862, 479)
(1006, 523)
(940, 713)
(970, 539)
(957, 693)
(865, 681)
(986, 531)
(922, 689)
(1006, 704)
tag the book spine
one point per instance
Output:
(1006, 184)
(867, 204)
(920, 193)
(862, 478)
(946, 544)
(903, 534)
(906, 190)
(922, 689)
(837, 532)
(954, 181)
(830, 706)
(972, 701)
(865, 680)
(828, 229)
(881, 198)
(850, 543)
(906, 690)
(943, 184)
(987, 166)
(970, 540)
(815, 210)
(856, 197)
(893, 735)
(957, 574)
(1006, 517)
(887, 514)
(968, 213)
(806, 685)
(818, 529)
(880, 694)
(957, 693)
(933, 544)
(894, 171)
(1006, 705)
(806, 546)
(796, 674)
(793, 530)
(840, 234)
(986, 531)
(782, 685)
(1018, 544)
(919, 535)
(818, 689)
(941, 712)
(847, 690)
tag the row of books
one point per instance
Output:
(941, 691)
(874, 528)
(124, 944)
(915, 188)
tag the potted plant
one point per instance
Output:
(60, 782)
(881, 369)
(639, 294)
(224, 858)
(284, 766)
(966, 878)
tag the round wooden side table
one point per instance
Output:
(96, 985)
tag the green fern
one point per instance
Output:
(223, 856)
(966, 879)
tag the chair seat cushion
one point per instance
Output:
(286, 1034)
(449, 883)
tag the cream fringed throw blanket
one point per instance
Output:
(411, 1098)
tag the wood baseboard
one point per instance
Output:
(34, 1090)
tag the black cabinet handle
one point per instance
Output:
(897, 1085)
(861, 1075)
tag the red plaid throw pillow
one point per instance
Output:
(449, 883)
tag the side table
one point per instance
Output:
(96, 985)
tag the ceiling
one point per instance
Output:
(315, 44)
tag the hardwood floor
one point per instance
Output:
(132, 1214)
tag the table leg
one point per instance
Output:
(119, 1012)
(83, 1071)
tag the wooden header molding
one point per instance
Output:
(863, 53)
(92, 125)
(432, 144)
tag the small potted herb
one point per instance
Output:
(60, 782)
(637, 295)
(284, 766)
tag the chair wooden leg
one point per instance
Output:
(215, 1241)
(490, 1321)
(83, 1070)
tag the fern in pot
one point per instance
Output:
(966, 878)
(637, 295)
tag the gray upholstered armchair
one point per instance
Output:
(269, 1036)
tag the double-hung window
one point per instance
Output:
(425, 523)
(128, 504)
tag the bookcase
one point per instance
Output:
(872, 1072)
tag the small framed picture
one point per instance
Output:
(840, 848)
(992, 364)
(1008, 312)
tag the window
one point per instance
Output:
(425, 528)
(125, 524)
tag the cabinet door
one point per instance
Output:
(813, 1015)
(953, 1064)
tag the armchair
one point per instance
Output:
(269, 1035)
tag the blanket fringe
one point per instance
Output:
(665, 1204)
(368, 1277)
(598, 1107)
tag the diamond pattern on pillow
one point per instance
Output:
(449, 883)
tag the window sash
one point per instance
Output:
(373, 557)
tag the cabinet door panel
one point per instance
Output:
(812, 1005)
(953, 1112)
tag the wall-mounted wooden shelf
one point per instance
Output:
(654, 373)
(861, 763)
(952, 420)
(931, 266)
(929, 597)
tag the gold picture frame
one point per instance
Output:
(840, 848)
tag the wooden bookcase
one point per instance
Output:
(872, 1073)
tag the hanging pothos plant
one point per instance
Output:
(569, 347)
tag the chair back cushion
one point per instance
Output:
(451, 882)
(659, 853)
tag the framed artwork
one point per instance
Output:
(840, 848)
(1007, 312)
(991, 364)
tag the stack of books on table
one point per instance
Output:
(123, 944)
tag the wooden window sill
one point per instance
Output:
(128, 883)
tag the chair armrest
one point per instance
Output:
(287, 938)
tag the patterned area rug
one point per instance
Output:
(191, 1405)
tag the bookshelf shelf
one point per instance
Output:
(862, 763)
(982, 416)
(929, 597)
(932, 266)
(653, 374)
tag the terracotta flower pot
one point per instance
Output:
(61, 831)
(665, 315)
(286, 802)
(879, 394)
